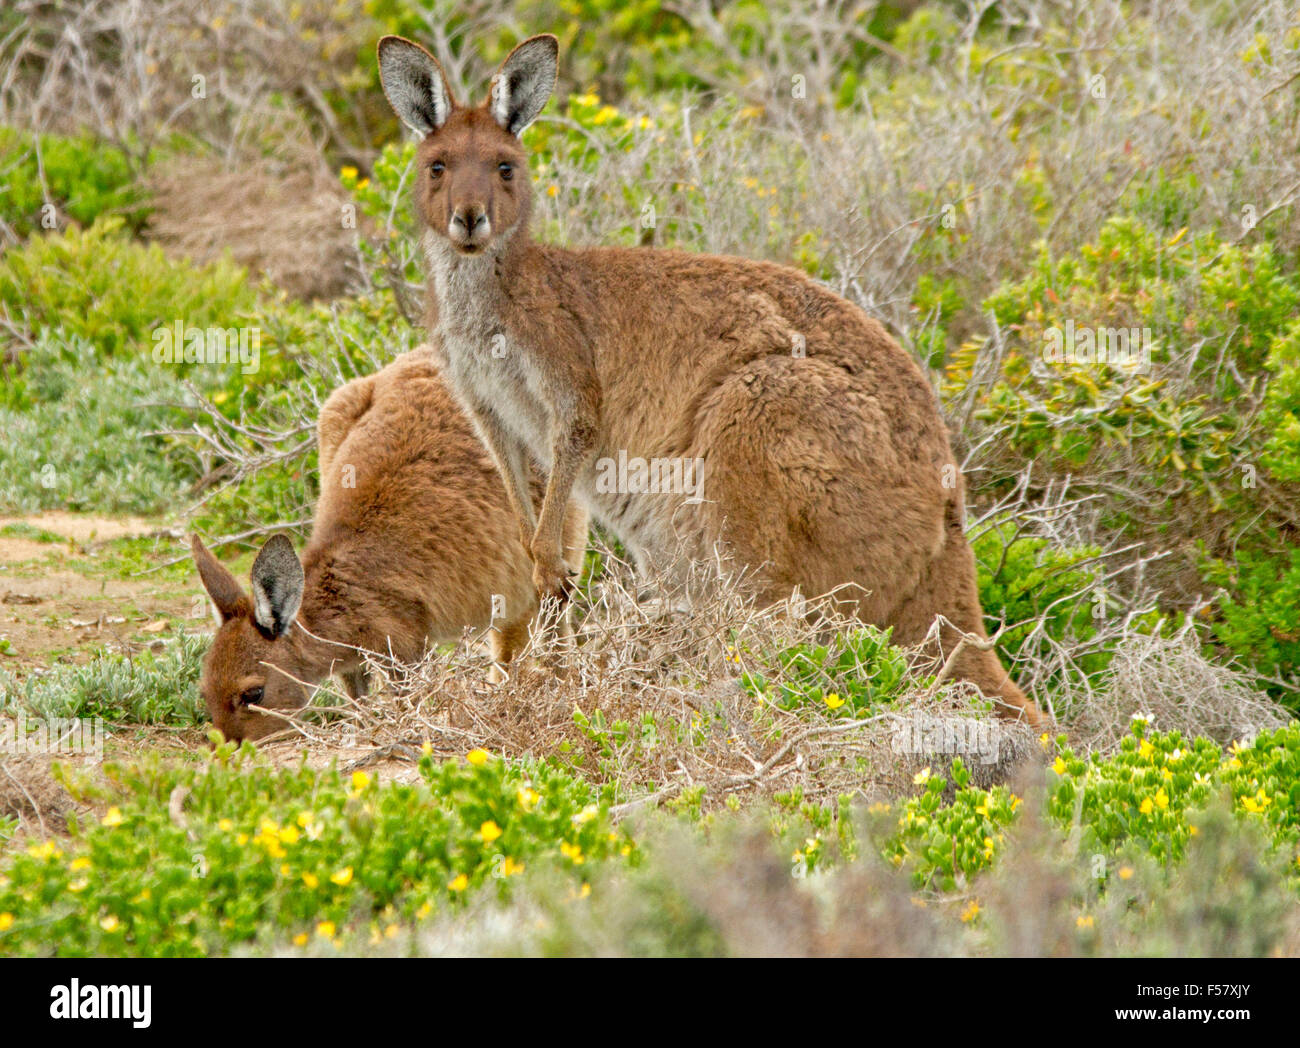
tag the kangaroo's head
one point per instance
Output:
(472, 185)
(254, 659)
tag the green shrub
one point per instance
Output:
(85, 177)
(944, 845)
(115, 293)
(1147, 792)
(1146, 797)
(266, 852)
(1025, 579)
(854, 674)
(1280, 417)
(1259, 614)
(78, 432)
(147, 688)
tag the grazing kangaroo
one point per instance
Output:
(823, 456)
(412, 541)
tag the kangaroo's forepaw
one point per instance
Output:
(554, 578)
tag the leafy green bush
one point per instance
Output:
(1280, 417)
(1259, 614)
(854, 674)
(1147, 792)
(1146, 797)
(86, 179)
(78, 432)
(1025, 580)
(266, 852)
(115, 293)
(147, 688)
(945, 845)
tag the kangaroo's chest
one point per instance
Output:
(489, 368)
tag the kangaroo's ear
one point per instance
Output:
(277, 586)
(222, 586)
(524, 82)
(415, 85)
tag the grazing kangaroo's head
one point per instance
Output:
(472, 184)
(254, 659)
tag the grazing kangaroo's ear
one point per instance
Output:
(524, 83)
(415, 85)
(221, 585)
(277, 586)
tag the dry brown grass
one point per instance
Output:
(281, 219)
(667, 661)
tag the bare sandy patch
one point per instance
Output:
(81, 528)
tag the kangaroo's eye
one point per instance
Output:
(437, 168)
(252, 697)
(507, 171)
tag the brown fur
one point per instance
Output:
(825, 458)
(412, 538)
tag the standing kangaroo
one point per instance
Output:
(413, 540)
(823, 456)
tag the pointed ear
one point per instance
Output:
(415, 85)
(524, 83)
(277, 586)
(222, 586)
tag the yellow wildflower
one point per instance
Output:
(1083, 922)
(1125, 872)
(326, 929)
(971, 911)
(311, 880)
(6, 921)
(360, 780)
(833, 701)
(922, 776)
(477, 757)
(79, 863)
(113, 817)
(459, 883)
(300, 939)
(110, 923)
(342, 877)
(489, 831)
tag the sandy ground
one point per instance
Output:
(49, 610)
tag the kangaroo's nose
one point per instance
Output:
(472, 220)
